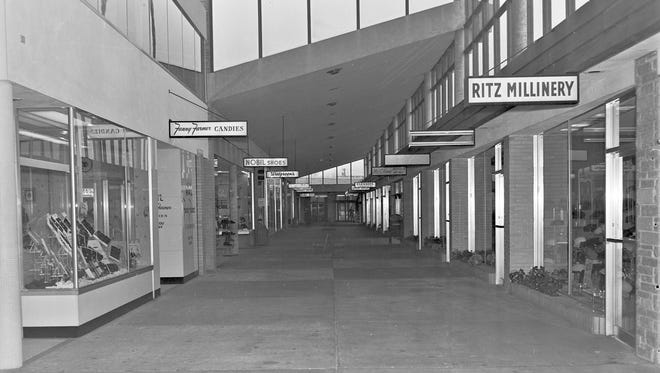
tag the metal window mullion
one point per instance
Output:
(72, 164)
(260, 29)
(568, 209)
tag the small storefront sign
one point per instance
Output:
(282, 174)
(358, 189)
(388, 171)
(306, 195)
(407, 159)
(365, 184)
(299, 186)
(523, 90)
(265, 162)
(180, 129)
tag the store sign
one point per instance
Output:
(523, 90)
(208, 129)
(407, 159)
(388, 171)
(265, 162)
(365, 184)
(299, 186)
(282, 174)
(306, 195)
(88, 192)
(359, 189)
(108, 131)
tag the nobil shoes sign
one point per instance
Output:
(208, 129)
(523, 90)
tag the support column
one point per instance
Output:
(11, 323)
(647, 84)
(459, 204)
(233, 206)
(11, 329)
(518, 171)
(517, 27)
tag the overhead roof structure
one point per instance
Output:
(326, 103)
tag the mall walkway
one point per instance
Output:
(336, 299)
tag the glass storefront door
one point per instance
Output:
(620, 232)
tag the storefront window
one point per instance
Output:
(555, 214)
(46, 193)
(109, 233)
(588, 200)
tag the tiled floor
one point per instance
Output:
(336, 299)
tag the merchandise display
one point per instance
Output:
(48, 247)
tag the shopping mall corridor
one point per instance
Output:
(336, 299)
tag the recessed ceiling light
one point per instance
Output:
(17, 99)
(594, 72)
(330, 137)
(334, 71)
(331, 124)
(333, 103)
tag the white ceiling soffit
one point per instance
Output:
(330, 120)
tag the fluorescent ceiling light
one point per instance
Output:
(39, 136)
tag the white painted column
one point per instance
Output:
(233, 206)
(11, 324)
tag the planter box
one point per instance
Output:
(576, 313)
(481, 272)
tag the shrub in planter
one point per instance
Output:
(538, 279)
(463, 256)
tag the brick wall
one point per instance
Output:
(206, 215)
(648, 219)
(479, 202)
(459, 204)
(519, 202)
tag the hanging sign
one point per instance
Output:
(365, 184)
(282, 174)
(388, 171)
(299, 186)
(306, 195)
(265, 162)
(407, 159)
(360, 189)
(523, 90)
(180, 129)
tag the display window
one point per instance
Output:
(106, 231)
(589, 172)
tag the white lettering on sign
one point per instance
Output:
(407, 159)
(265, 162)
(365, 184)
(208, 129)
(299, 186)
(537, 89)
(282, 174)
(387, 171)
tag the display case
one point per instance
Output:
(86, 216)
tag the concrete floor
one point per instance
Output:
(334, 299)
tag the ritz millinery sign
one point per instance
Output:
(205, 129)
(562, 89)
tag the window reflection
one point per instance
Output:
(235, 32)
(284, 25)
(420, 5)
(377, 11)
(332, 17)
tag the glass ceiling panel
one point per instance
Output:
(377, 11)
(420, 5)
(284, 25)
(235, 32)
(332, 17)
